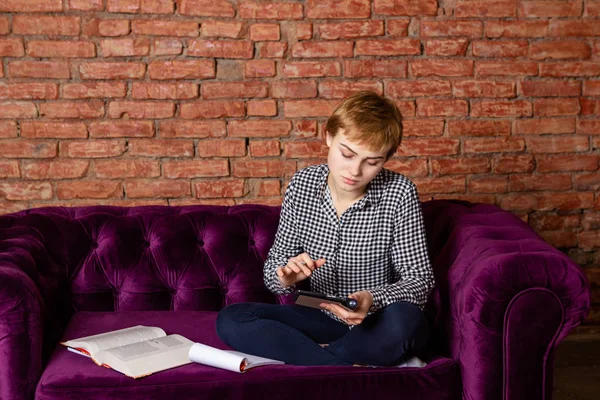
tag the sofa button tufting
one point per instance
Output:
(94, 245)
(146, 243)
(251, 242)
(200, 242)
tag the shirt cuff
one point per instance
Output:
(378, 299)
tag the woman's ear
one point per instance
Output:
(328, 138)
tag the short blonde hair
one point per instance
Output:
(369, 119)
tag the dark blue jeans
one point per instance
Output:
(292, 334)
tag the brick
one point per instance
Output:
(472, 29)
(451, 166)
(488, 184)
(195, 202)
(351, 30)
(46, 25)
(195, 168)
(9, 169)
(39, 69)
(141, 109)
(32, 90)
(86, 5)
(441, 68)
(212, 109)
(589, 106)
(140, 6)
(112, 169)
(589, 181)
(206, 8)
(323, 49)
(12, 47)
(271, 50)
(270, 10)
(92, 148)
(53, 130)
(428, 147)
(107, 27)
(266, 201)
(259, 68)
(506, 164)
(596, 143)
(592, 9)
(18, 109)
(264, 108)
(483, 88)
(483, 8)
(247, 89)
(540, 182)
(405, 7)
(264, 32)
(493, 145)
(500, 49)
(182, 69)
(222, 29)
(264, 148)
(309, 108)
(538, 126)
(129, 47)
(501, 108)
(220, 48)
(192, 129)
(559, 49)
(60, 49)
(591, 220)
(446, 47)
(442, 107)
(61, 169)
(8, 129)
(565, 201)
(577, 27)
(550, 88)
(167, 46)
(268, 187)
(160, 148)
(112, 70)
(588, 127)
(164, 91)
(423, 127)
(94, 90)
(305, 129)
(409, 167)
(548, 9)
(330, 89)
(580, 162)
(388, 47)
(557, 144)
(304, 69)
(259, 128)
(516, 28)
(305, 149)
(561, 69)
(417, 88)
(550, 222)
(5, 25)
(93, 189)
(398, 27)
(115, 129)
(72, 109)
(591, 88)
(375, 68)
(589, 240)
(552, 107)
(506, 68)
(323, 9)
(157, 188)
(165, 28)
(26, 191)
(263, 168)
(28, 149)
(220, 188)
(222, 148)
(303, 31)
(230, 70)
(450, 184)
(31, 5)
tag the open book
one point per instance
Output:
(142, 350)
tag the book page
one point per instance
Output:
(213, 357)
(254, 361)
(121, 337)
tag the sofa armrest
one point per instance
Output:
(511, 297)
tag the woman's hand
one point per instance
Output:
(364, 300)
(298, 269)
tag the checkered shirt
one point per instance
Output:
(378, 244)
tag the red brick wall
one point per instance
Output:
(133, 102)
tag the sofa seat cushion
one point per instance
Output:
(72, 376)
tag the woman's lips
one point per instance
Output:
(349, 181)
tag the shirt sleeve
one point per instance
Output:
(286, 245)
(410, 258)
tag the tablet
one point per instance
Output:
(313, 299)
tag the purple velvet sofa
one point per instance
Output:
(503, 300)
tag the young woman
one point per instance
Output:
(354, 229)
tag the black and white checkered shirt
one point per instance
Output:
(378, 244)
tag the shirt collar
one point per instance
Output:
(374, 190)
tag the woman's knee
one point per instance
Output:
(409, 320)
(230, 318)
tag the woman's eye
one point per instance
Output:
(347, 155)
(373, 164)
